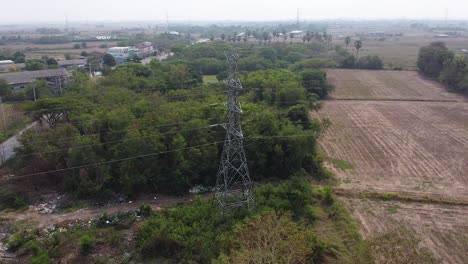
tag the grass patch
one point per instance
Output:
(393, 209)
(399, 246)
(342, 164)
(209, 79)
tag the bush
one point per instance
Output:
(294, 195)
(145, 210)
(370, 62)
(273, 237)
(160, 246)
(42, 258)
(87, 243)
(9, 200)
(314, 63)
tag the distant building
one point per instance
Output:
(145, 49)
(6, 62)
(174, 33)
(297, 33)
(376, 34)
(120, 54)
(465, 51)
(19, 80)
(72, 64)
(97, 55)
(441, 36)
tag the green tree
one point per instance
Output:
(431, 59)
(347, 41)
(357, 46)
(5, 88)
(35, 65)
(108, 60)
(77, 46)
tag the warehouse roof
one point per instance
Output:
(31, 76)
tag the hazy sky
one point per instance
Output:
(196, 10)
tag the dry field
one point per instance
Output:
(398, 133)
(386, 85)
(442, 229)
(55, 50)
(411, 147)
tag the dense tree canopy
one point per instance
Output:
(438, 62)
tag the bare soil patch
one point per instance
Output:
(403, 147)
(441, 229)
(387, 85)
(406, 142)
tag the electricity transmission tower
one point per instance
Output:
(233, 185)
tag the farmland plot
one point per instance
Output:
(386, 85)
(409, 147)
(442, 229)
(399, 146)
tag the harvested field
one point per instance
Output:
(408, 147)
(399, 146)
(442, 229)
(386, 85)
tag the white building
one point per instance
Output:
(120, 54)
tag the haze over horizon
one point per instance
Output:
(28, 11)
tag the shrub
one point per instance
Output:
(160, 246)
(18, 240)
(9, 200)
(273, 237)
(42, 258)
(371, 62)
(87, 243)
(145, 210)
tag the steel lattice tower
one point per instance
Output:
(233, 185)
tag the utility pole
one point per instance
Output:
(233, 185)
(298, 19)
(3, 115)
(34, 91)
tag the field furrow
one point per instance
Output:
(407, 136)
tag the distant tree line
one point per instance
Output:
(436, 61)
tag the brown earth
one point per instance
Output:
(406, 142)
(386, 85)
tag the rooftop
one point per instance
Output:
(72, 62)
(31, 76)
(6, 62)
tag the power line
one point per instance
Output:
(114, 161)
(143, 156)
(111, 142)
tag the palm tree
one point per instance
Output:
(347, 41)
(358, 46)
(266, 35)
(309, 36)
(330, 41)
(291, 37)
